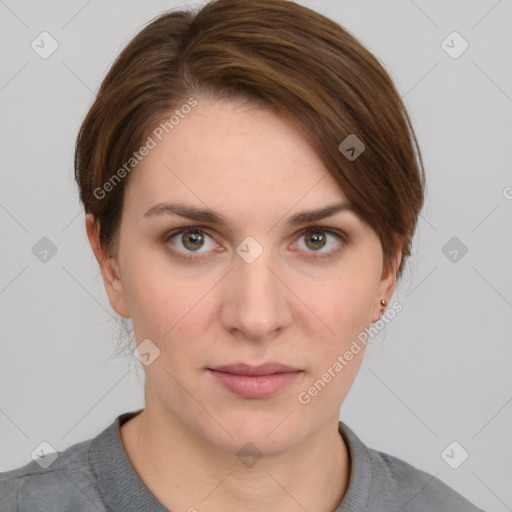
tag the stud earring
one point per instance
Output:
(383, 302)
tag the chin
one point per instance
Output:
(264, 429)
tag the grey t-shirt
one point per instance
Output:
(97, 476)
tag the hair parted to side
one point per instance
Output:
(282, 56)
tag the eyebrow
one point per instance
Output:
(206, 215)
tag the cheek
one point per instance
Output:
(161, 305)
(167, 303)
(342, 302)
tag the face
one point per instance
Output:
(254, 289)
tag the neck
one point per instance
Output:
(186, 473)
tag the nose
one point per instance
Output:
(256, 304)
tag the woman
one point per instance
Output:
(251, 183)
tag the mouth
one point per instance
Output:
(255, 381)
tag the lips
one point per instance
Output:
(261, 381)
(264, 369)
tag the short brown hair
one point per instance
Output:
(278, 54)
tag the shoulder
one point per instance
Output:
(380, 482)
(402, 484)
(57, 481)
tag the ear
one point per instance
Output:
(388, 281)
(109, 269)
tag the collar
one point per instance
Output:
(122, 489)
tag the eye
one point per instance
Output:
(316, 239)
(192, 240)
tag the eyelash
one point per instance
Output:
(343, 237)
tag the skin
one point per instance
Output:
(256, 169)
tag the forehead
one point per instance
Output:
(229, 155)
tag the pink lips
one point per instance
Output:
(255, 381)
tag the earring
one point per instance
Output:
(383, 302)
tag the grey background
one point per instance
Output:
(440, 372)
